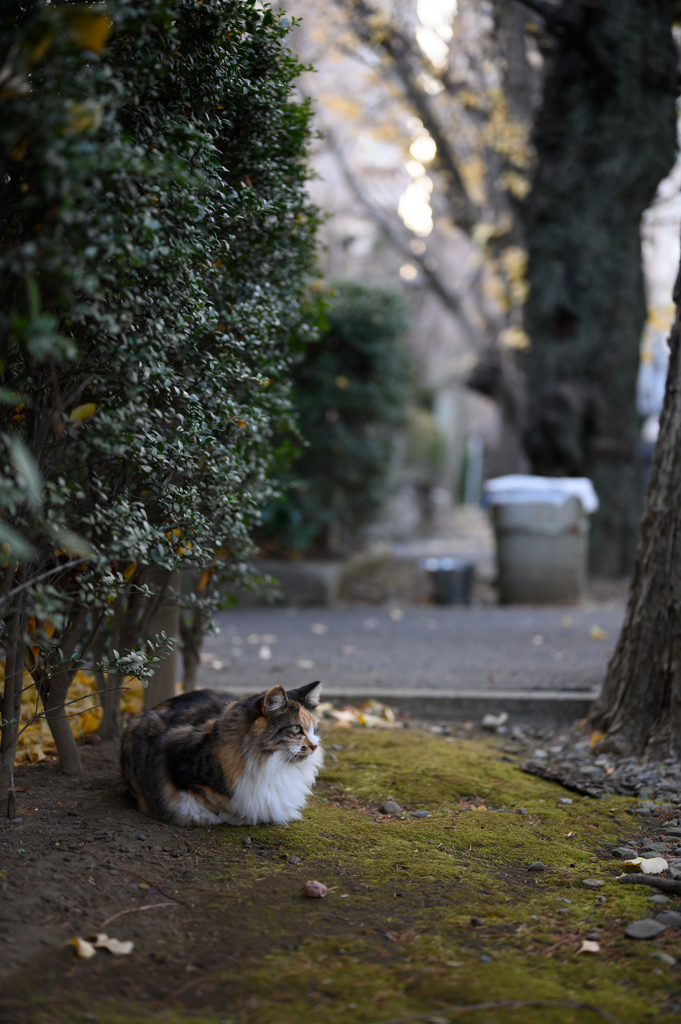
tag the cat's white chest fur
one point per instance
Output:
(271, 790)
(275, 790)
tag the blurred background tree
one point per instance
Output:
(495, 150)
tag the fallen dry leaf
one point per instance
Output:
(597, 633)
(646, 865)
(83, 948)
(102, 941)
(589, 946)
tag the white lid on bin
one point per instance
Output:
(521, 487)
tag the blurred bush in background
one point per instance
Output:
(351, 390)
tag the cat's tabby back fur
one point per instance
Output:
(206, 757)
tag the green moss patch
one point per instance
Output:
(395, 935)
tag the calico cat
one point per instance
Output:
(207, 757)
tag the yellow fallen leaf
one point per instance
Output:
(595, 738)
(597, 633)
(83, 949)
(589, 946)
(205, 577)
(82, 412)
(130, 571)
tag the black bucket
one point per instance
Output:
(451, 579)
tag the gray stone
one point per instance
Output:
(676, 832)
(476, 922)
(670, 918)
(565, 800)
(537, 866)
(390, 807)
(294, 859)
(140, 836)
(420, 814)
(592, 883)
(624, 853)
(645, 929)
(486, 959)
(520, 810)
(659, 899)
(666, 958)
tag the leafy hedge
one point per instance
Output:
(350, 392)
(154, 250)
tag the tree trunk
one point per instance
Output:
(56, 711)
(192, 633)
(640, 705)
(11, 705)
(108, 686)
(166, 620)
(605, 136)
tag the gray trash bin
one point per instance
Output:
(542, 533)
(541, 551)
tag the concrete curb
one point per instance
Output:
(531, 707)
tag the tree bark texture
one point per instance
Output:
(166, 620)
(640, 705)
(56, 710)
(11, 704)
(605, 136)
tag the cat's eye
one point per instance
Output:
(297, 728)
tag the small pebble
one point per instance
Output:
(645, 929)
(659, 899)
(594, 936)
(666, 958)
(337, 747)
(390, 807)
(247, 841)
(520, 810)
(486, 959)
(420, 814)
(670, 918)
(10, 939)
(294, 859)
(140, 836)
(537, 866)
(476, 922)
(565, 800)
(624, 853)
(315, 890)
(593, 883)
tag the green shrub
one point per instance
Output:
(154, 251)
(350, 393)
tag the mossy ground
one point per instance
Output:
(394, 935)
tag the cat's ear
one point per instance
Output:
(273, 701)
(310, 694)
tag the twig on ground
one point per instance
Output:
(510, 1004)
(134, 910)
(154, 885)
(665, 884)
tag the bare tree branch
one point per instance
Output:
(401, 53)
(450, 300)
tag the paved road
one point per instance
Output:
(454, 648)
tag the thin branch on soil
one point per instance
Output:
(135, 910)
(510, 1004)
(665, 884)
(154, 885)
